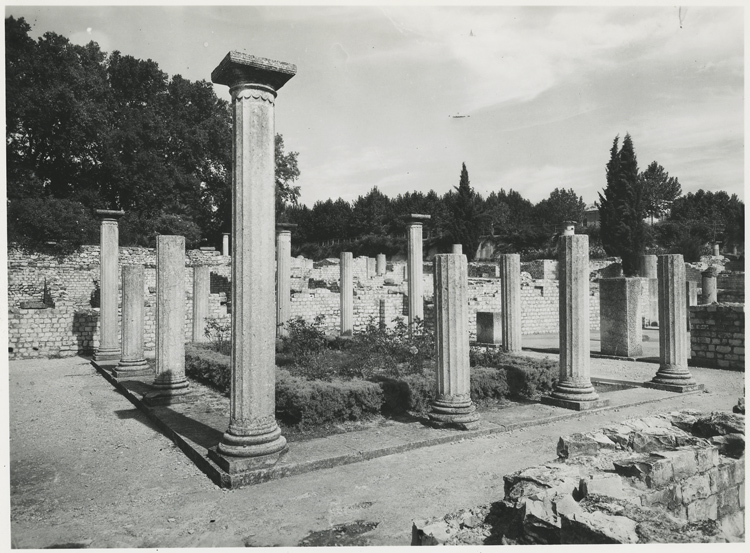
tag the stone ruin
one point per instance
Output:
(672, 478)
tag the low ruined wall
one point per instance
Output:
(676, 477)
(717, 336)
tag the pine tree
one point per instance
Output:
(466, 217)
(622, 208)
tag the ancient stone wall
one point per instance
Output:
(717, 336)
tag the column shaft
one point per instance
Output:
(414, 269)
(283, 281)
(201, 294)
(708, 284)
(510, 291)
(673, 346)
(225, 244)
(346, 286)
(453, 405)
(109, 342)
(380, 264)
(132, 362)
(648, 271)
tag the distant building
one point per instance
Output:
(591, 216)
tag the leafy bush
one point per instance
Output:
(488, 384)
(208, 366)
(411, 392)
(527, 378)
(219, 335)
(306, 403)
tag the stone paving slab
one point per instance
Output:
(549, 343)
(198, 425)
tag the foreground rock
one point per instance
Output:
(649, 480)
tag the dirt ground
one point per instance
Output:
(88, 470)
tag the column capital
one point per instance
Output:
(285, 227)
(417, 218)
(238, 68)
(109, 214)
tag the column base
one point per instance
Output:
(575, 405)
(108, 354)
(167, 394)
(673, 378)
(127, 369)
(579, 397)
(236, 465)
(679, 388)
(461, 414)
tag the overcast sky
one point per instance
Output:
(544, 90)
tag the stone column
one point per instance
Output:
(380, 264)
(458, 248)
(132, 362)
(708, 283)
(717, 252)
(453, 405)
(346, 287)
(620, 325)
(382, 322)
(691, 296)
(648, 271)
(510, 292)
(283, 277)
(673, 374)
(371, 267)
(574, 390)
(225, 244)
(109, 252)
(201, 294)
(253, 438)
(170, 384)
(414, 267)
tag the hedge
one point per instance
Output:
(305, 403)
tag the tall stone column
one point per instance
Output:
(109, 252)
(346, 286)
(380, 264)
(691, 296)
(132, 362)
(457, 248)
(225, 244)
(283, 277)
(574, 390)
(453, 405)
(708, 278)
(171, 384)
(647, 270)
(201, 294)
(414, 267)
(253, 438)
(510, 292)
(673, 374)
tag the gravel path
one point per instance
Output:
(87, 469)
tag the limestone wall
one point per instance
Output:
(717, 336)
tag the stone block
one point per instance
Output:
(695, 487)
(430, 532)
(577, 445)
(702, 509)
(602, 484)
(706, 458)
(652, 439)
(654, 471)
(669, 497)
(620, 323)
(597, 528)
(733, 526)
(540, 522)
(683, 462)
(728, 501)
(731, 445)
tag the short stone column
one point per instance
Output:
(620, 325)
(253, 438)
(201, 294)
(673, 374)
(132, 362)
(647, 270)
(510, 292)
(109, 253)
(225, 244)
(346, 290)
(574, 390)
(717, 251)
(457, 248)
(380, 264)
(414, 267)
(691, 296)
(382, 322)
(710, 293)
(283, 277)
(452, 406)
(171, 384)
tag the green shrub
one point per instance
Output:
(527, 378)
(488, 383)
(208, 366)
(411, 392)
(306, 403)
